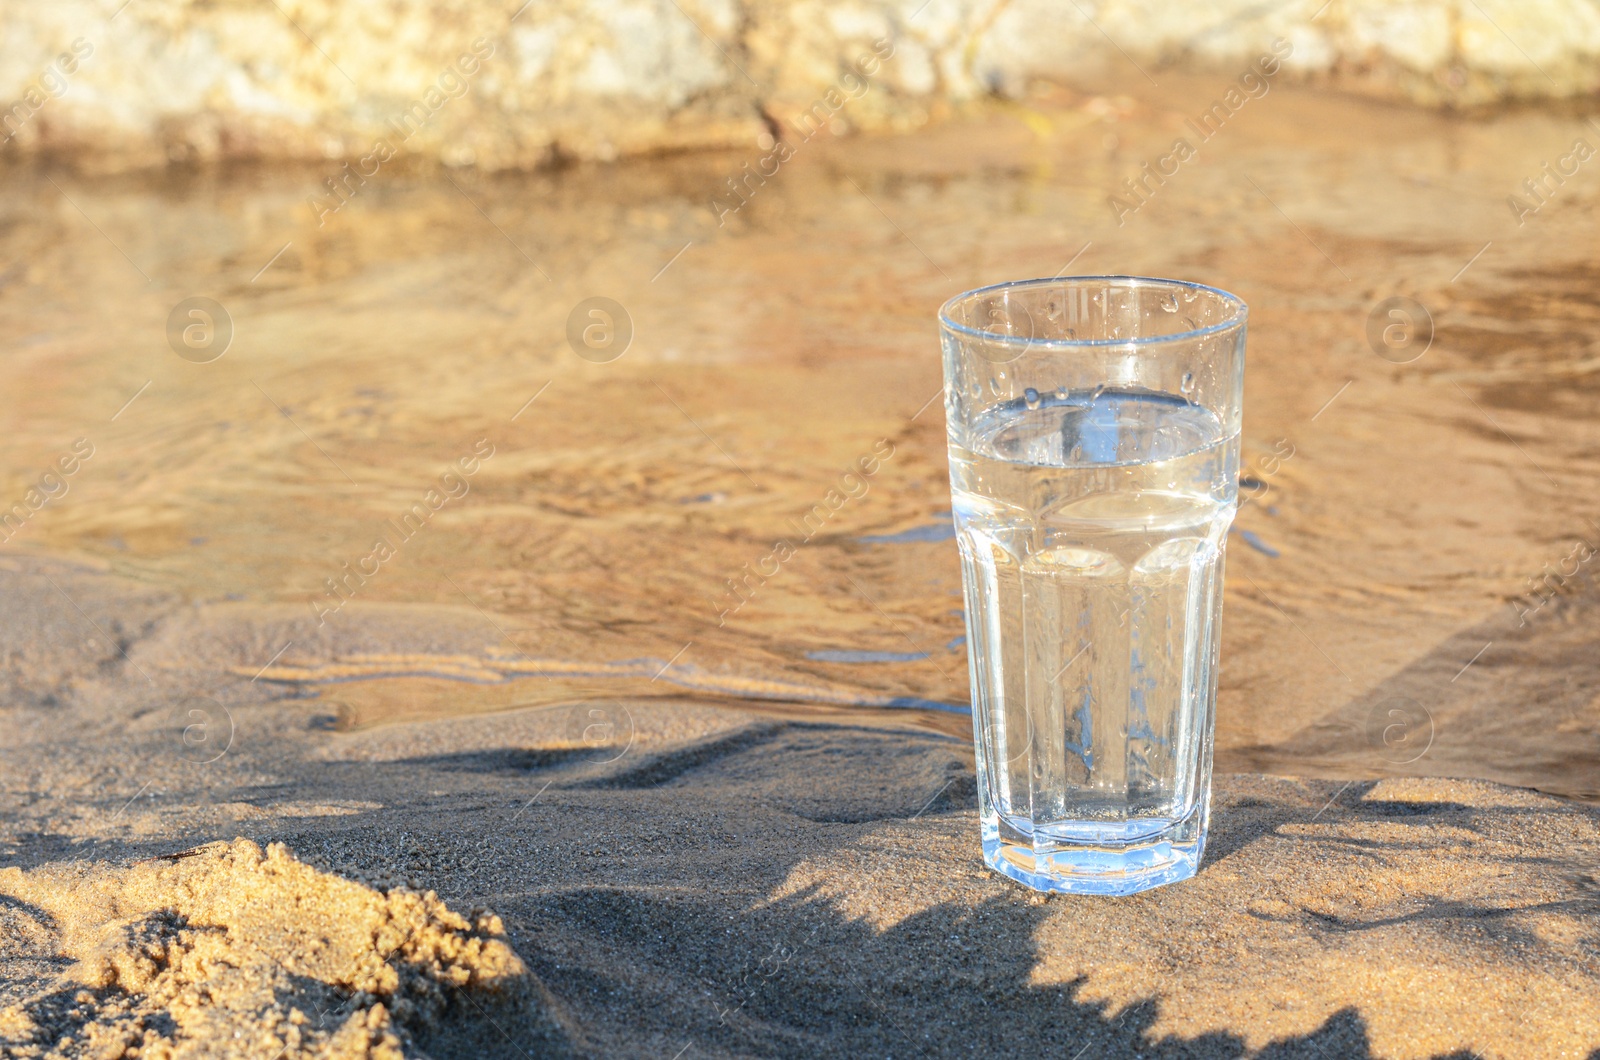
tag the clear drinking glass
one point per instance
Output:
(1094, 461)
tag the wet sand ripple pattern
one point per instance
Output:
(496, 669)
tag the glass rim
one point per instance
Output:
(1238, 317)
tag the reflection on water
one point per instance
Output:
(694, 515)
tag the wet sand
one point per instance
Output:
(700, 821)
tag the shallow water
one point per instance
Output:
(1396, 510)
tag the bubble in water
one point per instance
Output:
(1187, 386)
(1031, 396)
(1169, 302)
(1072, 333)
(1061, 392)
(1189, 323)
(1052, 309)
(1188, 295)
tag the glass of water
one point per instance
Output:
(1094, 461)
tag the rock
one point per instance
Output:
(147, 82)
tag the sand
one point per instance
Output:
(178, 954)
(727, 834)
(711, 882)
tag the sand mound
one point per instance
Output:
(232, 949)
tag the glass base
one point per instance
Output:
(1096, 866)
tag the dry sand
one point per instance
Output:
(226, 948)
(534, 709)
